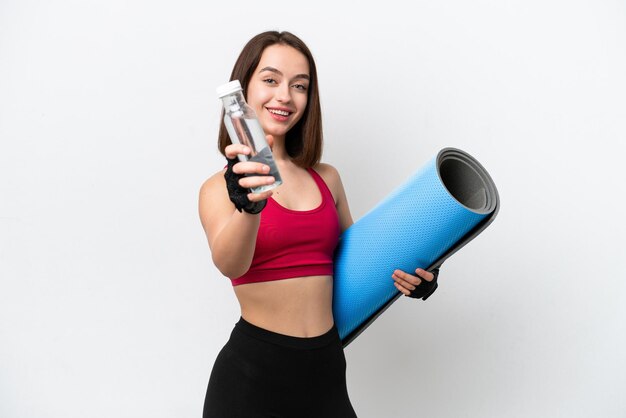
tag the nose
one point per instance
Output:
(283, 94)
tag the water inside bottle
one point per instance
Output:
(250, 133)
(265, 156)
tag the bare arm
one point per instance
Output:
(231, 234)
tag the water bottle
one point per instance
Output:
(244, 128)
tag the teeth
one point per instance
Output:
(279, 112)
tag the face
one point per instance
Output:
(278, 89)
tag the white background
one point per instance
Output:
(109, 303)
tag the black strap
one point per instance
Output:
(425, 288)
(239, 195)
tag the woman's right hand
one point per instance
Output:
(249, 168)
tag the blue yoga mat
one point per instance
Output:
(438, 210)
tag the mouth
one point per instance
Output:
(279, 114)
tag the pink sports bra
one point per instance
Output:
(293, 243)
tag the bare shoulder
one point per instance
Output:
(331, 177)
(329, 174)
(213, 202)
(213, 184)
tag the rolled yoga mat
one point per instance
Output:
(438, 210)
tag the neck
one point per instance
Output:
(278, 149)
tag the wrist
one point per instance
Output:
(239, 195)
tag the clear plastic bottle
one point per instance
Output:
(243, 127)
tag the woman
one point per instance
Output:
(284, 357)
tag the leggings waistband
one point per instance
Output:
(305, 343)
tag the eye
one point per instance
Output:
(301, 87)
(269, 80)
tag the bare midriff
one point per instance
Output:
(299, 307)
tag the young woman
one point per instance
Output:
(284, 357)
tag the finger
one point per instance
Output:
(232, 150)
(256, 181)
(400, 281)
(270, 140)
(257, 197)
(404, 285)
(251, 167)
(406, 277)
(428, 276)
(402, 289)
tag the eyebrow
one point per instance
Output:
(274, 70)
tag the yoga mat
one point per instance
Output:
(433, 214)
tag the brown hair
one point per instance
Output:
(304, 140)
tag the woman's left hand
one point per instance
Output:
(406, 282)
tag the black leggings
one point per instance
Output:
(260, 373)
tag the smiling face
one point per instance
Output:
(278, 89)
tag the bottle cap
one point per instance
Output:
(228, 88)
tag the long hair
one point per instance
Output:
(304, 141)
